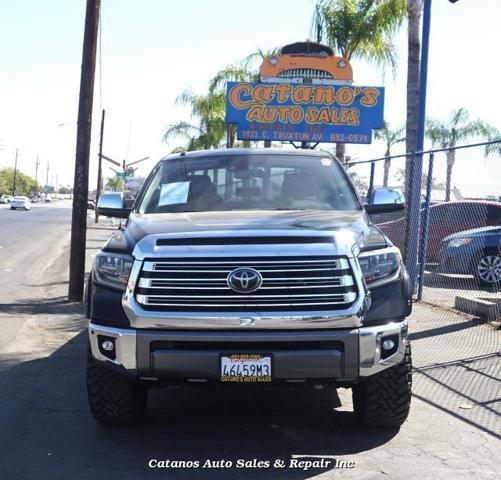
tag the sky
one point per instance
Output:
(153, 50)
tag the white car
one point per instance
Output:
(6, 199)
(21, 203)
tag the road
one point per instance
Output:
(47, 432)
(30, 241)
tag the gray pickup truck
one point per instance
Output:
(250, 267)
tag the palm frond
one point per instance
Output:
(360, 29)
(180, 129)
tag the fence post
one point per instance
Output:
(425, 228)
(370, 192)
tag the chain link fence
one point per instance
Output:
(459, 246)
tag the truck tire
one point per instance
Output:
(384, 399)
(113, 398)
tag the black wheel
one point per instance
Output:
(487, 267)
(113, 398)
(384, 399)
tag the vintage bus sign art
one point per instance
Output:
(304, 112)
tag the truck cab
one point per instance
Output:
(249, 267)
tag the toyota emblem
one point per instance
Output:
(244, 280)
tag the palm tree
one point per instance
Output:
(391, 138)
(210, 129)
(362, 29)
(247, 70)
(414, 12)
(447, 134)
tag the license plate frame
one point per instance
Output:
(265, 360)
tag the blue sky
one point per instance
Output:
(154, 49)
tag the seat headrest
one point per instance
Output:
(299, 185)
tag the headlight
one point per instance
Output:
(113, 269)
(273, 60)
(457, 242)
(380, 266)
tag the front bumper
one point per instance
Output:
(297, 355)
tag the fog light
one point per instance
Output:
(108, 345)
(388, 345)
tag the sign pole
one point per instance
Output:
(81, 180)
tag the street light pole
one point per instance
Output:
(99, 168)
(81, 180)
(15, 174)
(37, 163)
(414, 202)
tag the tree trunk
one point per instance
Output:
(414, 10)
(340, 151)
(231, 136)
(451, 158)
(387, 164)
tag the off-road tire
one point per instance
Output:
(113, 398)
(384, 399)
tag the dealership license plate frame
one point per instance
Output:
(267, 359)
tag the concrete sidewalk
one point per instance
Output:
(46, 431)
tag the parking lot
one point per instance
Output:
(47, 431)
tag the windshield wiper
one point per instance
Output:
(289, 208)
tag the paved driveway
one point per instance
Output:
(46, 431)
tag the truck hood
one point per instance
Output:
(354, 224)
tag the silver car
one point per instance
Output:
(22, 203)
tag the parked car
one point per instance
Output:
(6, 199)
(445, 219)
(275, 277)
(476, 252)
(21, 203)
(48, 199)
(91, 205)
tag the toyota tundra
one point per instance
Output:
(248, 267)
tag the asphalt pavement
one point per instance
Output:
(47, 432)
(30, 241)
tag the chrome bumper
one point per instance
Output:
(361, 356)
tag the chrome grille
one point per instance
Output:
(200, 284)
(305, 73)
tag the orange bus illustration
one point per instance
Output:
(306, 62)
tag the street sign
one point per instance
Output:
(121, 174)
(304, 113)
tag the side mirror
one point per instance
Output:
(112, 204)
(383, 200)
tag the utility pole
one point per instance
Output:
(47, 178)
(81, 179)
(37, 163)
(99, 168)
(15, 174)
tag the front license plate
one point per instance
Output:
(246, 367)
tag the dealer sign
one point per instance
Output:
(304, 113)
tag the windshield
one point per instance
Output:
(248, 182)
